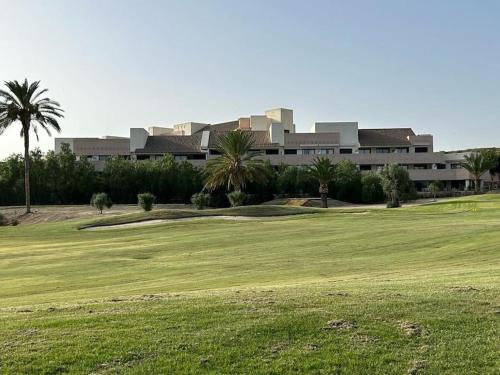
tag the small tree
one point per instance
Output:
(200, 200)
(493, 156)
(100, 200)
(395, 180)
(347, 181)
(371, 188)
(237, 198)
(434, 188)
(323, 171)
(146, 201)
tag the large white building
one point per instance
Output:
(276, 140)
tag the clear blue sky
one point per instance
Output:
(430, 65)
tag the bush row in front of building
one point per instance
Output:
(59, 178)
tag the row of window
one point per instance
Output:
(362, 167)
(101, 157)
(368, 167)
(312, 151)
(388, 150)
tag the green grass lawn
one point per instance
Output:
(413, 290)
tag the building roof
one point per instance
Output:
(223, 126)
(295, 140)
(385, 137)
(191, 144)
(261, 139)
(160, 144)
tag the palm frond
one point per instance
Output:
(21, 101)
(237, 165)
(322, 170)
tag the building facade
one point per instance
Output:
(276, 140)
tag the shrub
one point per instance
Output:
(410, 192)
(100, 200)
(146, 201)
(435, 187)
(347, 184)
(237, 198)
(200, 200)
(3, 220)
(371, 189)
(397, 184)
(391, 204)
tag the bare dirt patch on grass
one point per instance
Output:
(56, 213)
(411, 329)
(339, 324)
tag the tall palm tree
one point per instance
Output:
(477, 163)
(236, 164)
(324, 171)
(22, 102)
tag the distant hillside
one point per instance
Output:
(469, 150)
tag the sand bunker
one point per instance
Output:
(163, 221)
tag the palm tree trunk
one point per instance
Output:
(477, 183)
(324, 200)
(27, 168)
(323, 192)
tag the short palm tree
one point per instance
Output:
(323, 171)
(477, 163)
(493, 156)
(23, 102)
(236, 165)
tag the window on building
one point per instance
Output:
(324, 151)
(365, 167)
(346, 150)
(440, 166)
(214, 152)
(420, 166)
(290, 152)
(421, 149)
(365, 151)
(382, 150)
(287, 131)
(308, 151)
(456, 166)
(197, 157)
(143, 157)
(272, 152)
(400, 150)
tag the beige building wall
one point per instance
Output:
(158, 130)
(348, 132)
(259, 123)
(188, 128)
(283, 116)
(244, 123)
(138, 138)
(425, 140)
(277, 133)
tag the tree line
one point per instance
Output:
(59, 178)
